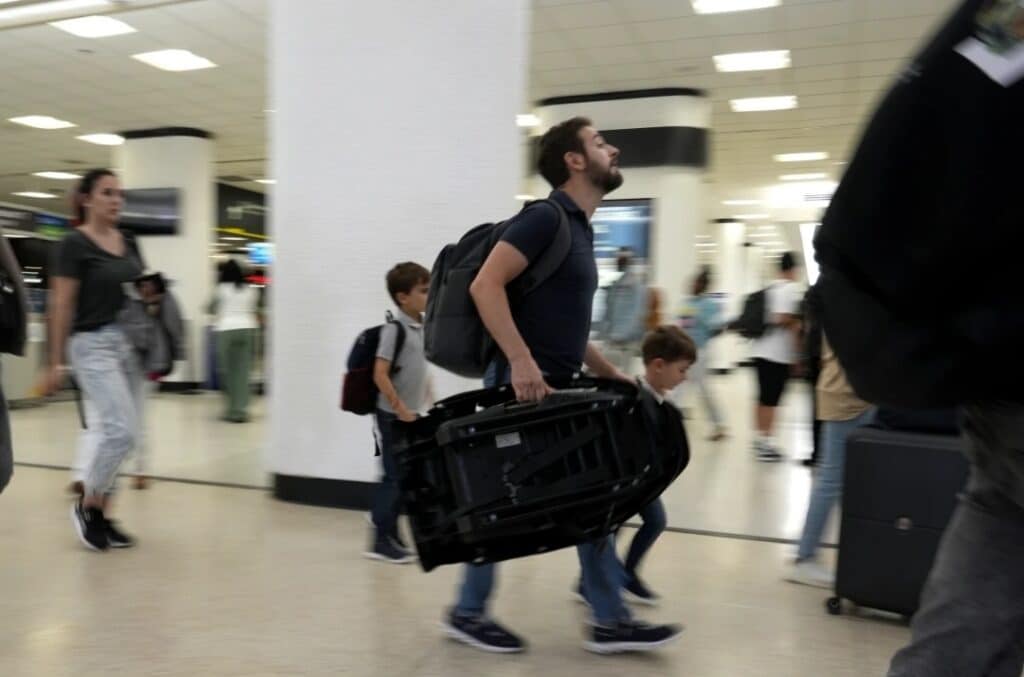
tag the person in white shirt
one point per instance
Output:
(776, 352)
(235, 305)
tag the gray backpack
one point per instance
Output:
(454, 336)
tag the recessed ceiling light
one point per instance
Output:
(525, 198)
(102, 139)
(35, 194)
(720, 6)
(62, 176)
(175, 60)
(752, 61)
(812, 176)
(57, 7)
(268, 182)
(763, 103)
(527, 120)
(750, 217)
(801, 157)
(93, 26)
(740, 203)
(42, 122)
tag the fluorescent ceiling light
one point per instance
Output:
(527, 120)
(174, 60)
(801, 157)
(63, 176)
(35, 194)
(267, 182)
(525, 198)
(95, 26)
(763, 103)
(750, 217)
(42, 8)
(812, 176)
(740, 203)
(752, 61)
(232, 238)
(103, 139)
(42, 122)
(721, 6)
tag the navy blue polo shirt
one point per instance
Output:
(554, 319)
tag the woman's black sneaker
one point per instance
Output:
(630, 635)
(90, 526)
(117, 538)
(637, 592)
(481, 633)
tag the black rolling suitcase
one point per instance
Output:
(899, 493)
(485, 479)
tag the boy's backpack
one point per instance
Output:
(358, 390)
(454, 336)
(751, 324)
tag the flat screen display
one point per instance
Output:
(261, 253)
(618, 224)
(151, 211)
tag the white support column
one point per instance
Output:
(183, 159)
(394, 133)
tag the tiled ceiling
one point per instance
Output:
(844, 53)
(98, 86)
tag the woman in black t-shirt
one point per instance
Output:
(90, 268)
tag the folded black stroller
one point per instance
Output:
(486, 479)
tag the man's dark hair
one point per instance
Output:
(404, 277)
(670, 343)
(788, 262)
(561, 139)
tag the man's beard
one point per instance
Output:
(607, 180)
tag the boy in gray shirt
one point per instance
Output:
(403, 385)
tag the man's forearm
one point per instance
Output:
(492, 303)
(598, 364)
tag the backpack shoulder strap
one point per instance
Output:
(399, 343)
(552, 257)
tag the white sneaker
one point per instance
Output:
(811, 573)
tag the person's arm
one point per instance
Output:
(504, 265)
(600, 365)
(63, 296)
(382, 379)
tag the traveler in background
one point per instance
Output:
(622, 327)
(13, 343)
(776, 353)
(235, 306)
(546, 335)
(403, 395)
(812, 342)
(91, 267)
(151, 320)
(701, 319)
(841, 412)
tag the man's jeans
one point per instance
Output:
(971, 620)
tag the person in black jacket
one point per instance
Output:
(934, 187)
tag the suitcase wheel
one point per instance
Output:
(834, 605)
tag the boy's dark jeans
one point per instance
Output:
(387, 502)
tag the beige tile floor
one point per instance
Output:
(723, 490)
(231, 582)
